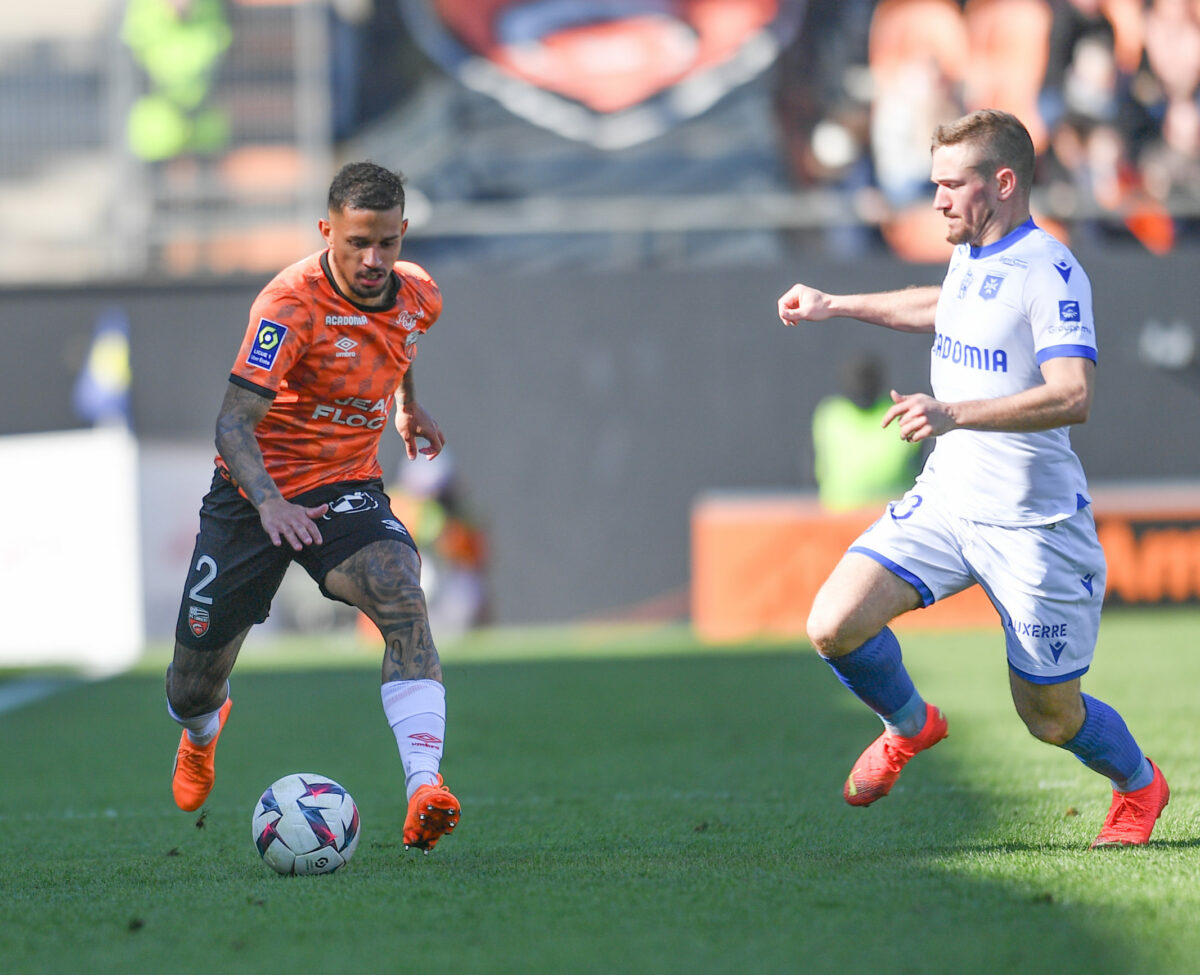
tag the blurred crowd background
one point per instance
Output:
(612, 194)
(169, 139)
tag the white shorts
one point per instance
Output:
(1046, 581)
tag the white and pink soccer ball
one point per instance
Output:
(305, 823)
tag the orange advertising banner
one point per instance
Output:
(758, 559)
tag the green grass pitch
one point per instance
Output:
(632, 802)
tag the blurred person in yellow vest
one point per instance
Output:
(429, 498)
(179, 44)
(856, 462)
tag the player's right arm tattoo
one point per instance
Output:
(241, 411)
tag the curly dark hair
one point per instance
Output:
(366, 186)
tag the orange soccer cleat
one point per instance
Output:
(195, 766)
(1132, 815)
(878, 768)
(432, 813)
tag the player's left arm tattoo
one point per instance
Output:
(407, 389)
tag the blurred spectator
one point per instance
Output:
(822, 102)
(1171, 166)
(1128, 22)
(428, 498)
(1173, 48)
(349, 22)
(1009, 51)
(179, 44)
(1085, 77)
(1090, 179)
(1080, 64)
(101, 392)
(856, 461)
(917, 56)
(374, 64)
(1168, 86)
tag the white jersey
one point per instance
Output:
(1004, 309)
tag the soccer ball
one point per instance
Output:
(305, 823)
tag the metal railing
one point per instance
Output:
(90, 209)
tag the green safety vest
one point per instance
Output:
(857, 462)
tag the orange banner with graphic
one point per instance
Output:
(580, 67)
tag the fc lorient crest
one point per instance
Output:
(611, 73)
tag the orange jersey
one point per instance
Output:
(332, 367)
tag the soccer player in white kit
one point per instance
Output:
(1002, 500)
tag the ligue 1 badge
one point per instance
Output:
(267, 340)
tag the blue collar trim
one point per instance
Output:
(1004, 242)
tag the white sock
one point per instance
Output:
(202, 728)
(416, 710)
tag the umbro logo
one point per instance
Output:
(423, 739)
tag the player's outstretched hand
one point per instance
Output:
(800, 303)
(293, 523)
(412, 421)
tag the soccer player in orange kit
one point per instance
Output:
(327, 353)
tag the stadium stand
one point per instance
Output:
(827, 149)
(918, 57)
(1009, 43)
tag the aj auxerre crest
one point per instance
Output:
(609, 72)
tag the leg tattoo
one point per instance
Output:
(383, 580)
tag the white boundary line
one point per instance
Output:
(17, 693)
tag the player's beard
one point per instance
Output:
(966, 233)
(368, 290)
(956, 237)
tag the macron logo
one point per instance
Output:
(1086, 582)
(1063, 269)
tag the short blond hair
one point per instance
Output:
(1002, 139)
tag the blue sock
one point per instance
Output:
(1104, 745)
(909, 720)
(875, 674)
